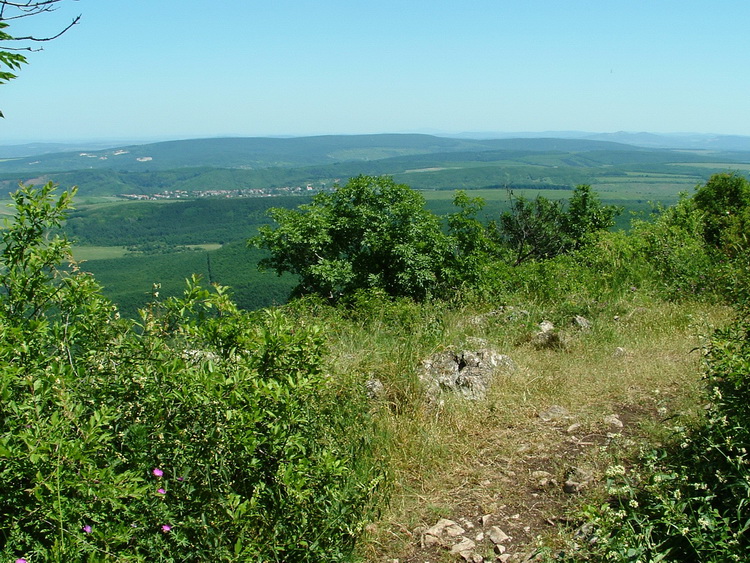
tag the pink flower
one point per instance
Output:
(158, 472)
(21, 560)
(161, 492)
(165, 528)
(87, 529)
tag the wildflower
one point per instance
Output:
(180, 479)
(87, 529)
(21, 560)
(165, 528)
(633, 503)
(158, 472)
(161, 492)
(615, 470)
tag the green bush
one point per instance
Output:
(199, 433)
(369, 234)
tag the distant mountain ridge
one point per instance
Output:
(267, 152)
(692, 141)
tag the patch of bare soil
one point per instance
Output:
(501, 506)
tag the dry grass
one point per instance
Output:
(469, 459)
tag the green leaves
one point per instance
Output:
(542, 229)
(369, 234)
(203, 433)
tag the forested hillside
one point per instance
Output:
(422, 161)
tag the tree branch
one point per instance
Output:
(41, 39)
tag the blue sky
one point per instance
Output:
(158, 69)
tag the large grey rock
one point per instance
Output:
(467, 373)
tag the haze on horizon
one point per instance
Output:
(179, 69)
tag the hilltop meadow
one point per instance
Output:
(464, 351)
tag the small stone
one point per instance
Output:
(555, 412)
(578, 479)
(619, 352)
(486, 519)
(480, 537)
(543, 478)
(613, 420)
(505, 558)
(468, 524)
(573, 427)
(500, 549)
(497, 536)
(582, 322)
(465, 546)
(375, 388)
(546, 326)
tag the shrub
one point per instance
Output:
(369, 234)
(199, 433)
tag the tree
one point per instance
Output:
(586, 215)
(472, 240)
(724, 202)
(11, 46)
(541, 229)
(533, 230)
(369, 234)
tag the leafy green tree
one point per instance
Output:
(586, 215)
(541, 228)
(533, 229)
(474, 246)
(724, 201)
(369, 234)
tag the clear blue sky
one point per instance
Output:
(157, 69)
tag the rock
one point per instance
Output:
(464, 548)
(436, 534)
(619, 352)
(547, 337)
(497, 536)
(466, 523)
(613, 420)
(546, 326)
(555, 412)
(543, 479)
(581, 322)
(573, 427)
(375, 388)
(578, 479)
(468, 373)
(486, 519)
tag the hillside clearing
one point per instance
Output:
(467, 460)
